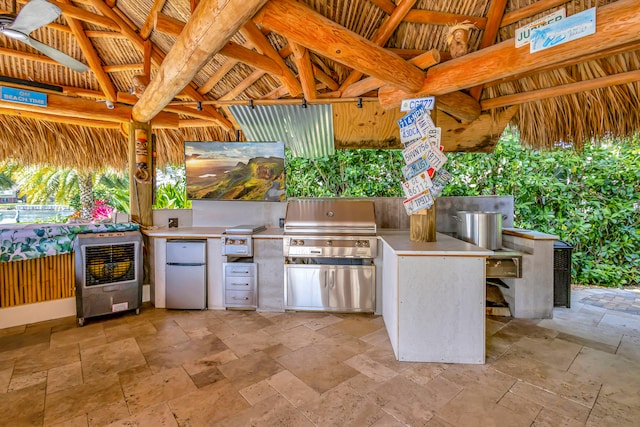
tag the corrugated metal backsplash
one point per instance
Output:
(308, 132)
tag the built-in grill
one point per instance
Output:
(329, 246)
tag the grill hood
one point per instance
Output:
(330, 216)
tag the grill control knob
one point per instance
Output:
(301, 242)
(329, 243)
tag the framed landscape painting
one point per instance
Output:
(235, 171)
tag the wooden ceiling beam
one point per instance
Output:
(250, 57)
(530, 10)
(568, 89)
(157, 57)
(387, 6)
(92, 56)
(83, 15)
(149, 23)
(104, 34)
(167, 24)
(79, 108)
(301, 24)
(262, 44)
(92, 123)
(616, 24)
(217, 76)
(494, 16)
(305, 71)
(231, 50)
(122, 68)
(426, 60)
(382, 35)
(421, 16)
(28, 56)
(324, 78)
(243, 85)
(624, 48)
(209, 29)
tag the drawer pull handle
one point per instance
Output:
(239, 284)
(243, 299)
(240, 271)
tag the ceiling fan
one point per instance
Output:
(33, 15)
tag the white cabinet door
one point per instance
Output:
(267, 253)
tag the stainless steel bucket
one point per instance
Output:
(480, 228)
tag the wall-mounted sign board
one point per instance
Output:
(523, 35)
(21, 96)
(409, 104)
(572, 28)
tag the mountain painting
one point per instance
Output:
(235, 171)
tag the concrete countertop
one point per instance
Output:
(528, 234)
(205, 232)
(444, 245)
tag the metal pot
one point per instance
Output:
(480, 228)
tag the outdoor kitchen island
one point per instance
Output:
(433, 298)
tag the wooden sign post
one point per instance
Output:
(422, 225)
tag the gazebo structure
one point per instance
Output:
(186, 70)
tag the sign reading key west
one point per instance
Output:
(21, 96)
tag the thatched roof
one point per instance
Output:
(339, 52)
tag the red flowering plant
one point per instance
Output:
(101, 210)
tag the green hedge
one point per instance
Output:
(589, 199)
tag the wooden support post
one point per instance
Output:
(141, 173)
(422, 225)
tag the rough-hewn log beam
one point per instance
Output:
(250, 57)
(426, 60)
(59, 119)
(167, 24)
(420, 16)
(217, 76)
(494, 16)
(568, 89)
(260, 41)
(529, 11)
(243, 85)
(382, 35)
(209, 29)
(305, 71)
(92, 57)
(616, 24)
(79, 108)
(83, 15)
(148, 25)
(459, 105)
(308, 28)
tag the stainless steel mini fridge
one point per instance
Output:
(186, 274)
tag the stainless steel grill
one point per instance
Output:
(329, 246)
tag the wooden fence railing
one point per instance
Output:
(36, 280)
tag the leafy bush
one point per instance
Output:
(589, 199)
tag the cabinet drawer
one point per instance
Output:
(240, 298)
(239, 269)
(239, 283)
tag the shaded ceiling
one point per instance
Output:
(361, 56)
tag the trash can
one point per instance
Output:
(562, 273)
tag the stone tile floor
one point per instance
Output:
(235, 368)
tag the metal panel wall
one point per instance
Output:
(307, 132)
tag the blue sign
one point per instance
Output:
(572, 28)
(21, 96)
